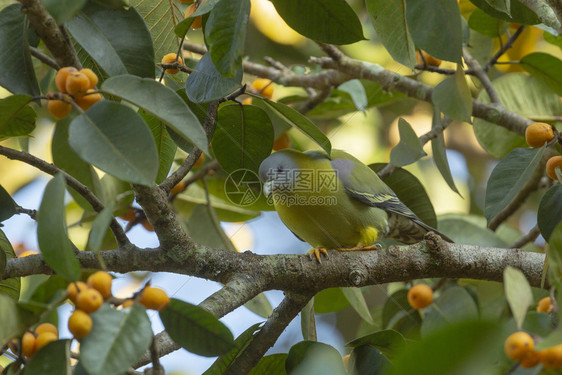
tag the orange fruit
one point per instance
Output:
(264, 86)
(545, 305)
(538, 133)
(198, 21)
(74, 288)
(79, 324)
(420, 296)
(530, 359)
(551, 358)
(154, 298)
(282, 142)
(28, 344)
(101, 281)
(59, 109)
(178, 188)
(146, 224)
(128, 303)
(46, 327)
(91, 76)
(170, 58)
(518, 344)
(130, 215)
(45, 338)
(77, 83)
(86, 101)
(429, 60)
(62, 74)
(551, 164)
(89, 300)
(247, 101)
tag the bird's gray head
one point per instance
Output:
(278, 166)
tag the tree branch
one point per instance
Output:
(43, 58)
(545, 13)
(504, 48)
(482, 76)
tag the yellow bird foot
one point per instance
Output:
(316, 252)
(376, 246)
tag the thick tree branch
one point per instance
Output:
(545, 13)
(556, 6)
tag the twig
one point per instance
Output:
(529, 237)
(276, 64)
(482, 76)
(31, 213)
(197, 175)
(436, 69)
(175, 65)
(315, 100)
(504, 48)
(154, 356)
(43, 58)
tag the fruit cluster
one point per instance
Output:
(536, 135)
(32, 341)
(198, 21)
(520, 347)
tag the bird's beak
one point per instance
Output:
(268, 188)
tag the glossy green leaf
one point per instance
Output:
(357, 301)
(366, 360)
(389, 20)
(500, 5)
(549, 214)
(452, 97)
(206, 84)
(387, 341)
(409, 149)
(17, 118)
(50, 292)
(545, 68)
(63, 10)
(225, 34)
(7, 205)
(357, 93)
(326, 21)
(16, 69)
(161, 102)
(117, 340)
(53, 359)
(519, 93)
(411, 192)
(508, 178)
(435, 26)
(439, 152)
(273, 364)
(243, 137)
(463, 230)
(330, 300)
(100, 227)
(518, 13)
(453, 305)
(518, 293)
(164, 145)
(486, 24)
(312, 358)
(118, 40)
(223, 362)
(196, 329)
(114, 138)
(55, 246)
(296, 120)
(13, 322)
(8, 287)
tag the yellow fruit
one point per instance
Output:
(247, 101)
(91, 76)
(45, 338)
(282, 142)
(198, 21)
(89, 300)
(101, 281)
(79, 324)
(264, 86)
(178, 188)
(62, 74)
(429, 60)
(545, 305)
(420, 296)
(551, 358)
(86, 101)
(518, 344)
(146, 224)
(130, 215)
(28, 344)
(74, 288)
(551, 164)
(128, 303)
(77, 83)
(154, 298)
(538, 134)
(46, 327)
(530, 359)
(170, 58)
(59, 109)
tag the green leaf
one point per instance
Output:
(330, 300)
(273, 364)
(13, 319)
(435, 26)
(357, 93)
(326, 21)
(545, 68)
(367, 360)
(555, 253)
(554, 40)
(443, 352)
(500, 5)
(161, 102)
(164, 144)
(357, 301)
(409, 149)
(296, 120)
(222, 364)
(117, 340)
(411, 192)
(521, 94)
(439, 152)
(452, 97)
(8, 207)
(464, 230)
(518, 12)
(52, 359)
(17, 118)
(196, 329)
(8, 287)
(63, 10)
(314, 358)
(206, 84)
(243, 137)
(389, 20)
(508, 177)
(555, 338)
(388, 341)
(55, 246)
(308, 321)
(486, 24)
(99, 228)
(117, 39)
(549, 214)
(16, 69)
(518, 293)
(206, 230)
(114, 138)
(225, 34)
(50, 292)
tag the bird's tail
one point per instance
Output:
(408, 230)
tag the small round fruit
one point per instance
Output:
(264, 86)
(77, 83)
(545, 305)
(199, 161)
(170, 58)
(530, 359)
(146, 224)
(551, 164)
(62, 74)
(28, 344)
(429, 60)
(178, 188)
(59, 109)
(89, 300)
(91, 76)
(154, 298)
(45, 338)
(101, 281)
(551, 358)
(130, 215)
(282, 142)
(247, 101)
(518, 344)
(79, 324)
(538, 133)
(198, 21)
(86, 101)
(420, 296)
(128, 303)
(74, 288)
(46, 327)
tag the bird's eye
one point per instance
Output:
(279, 169)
